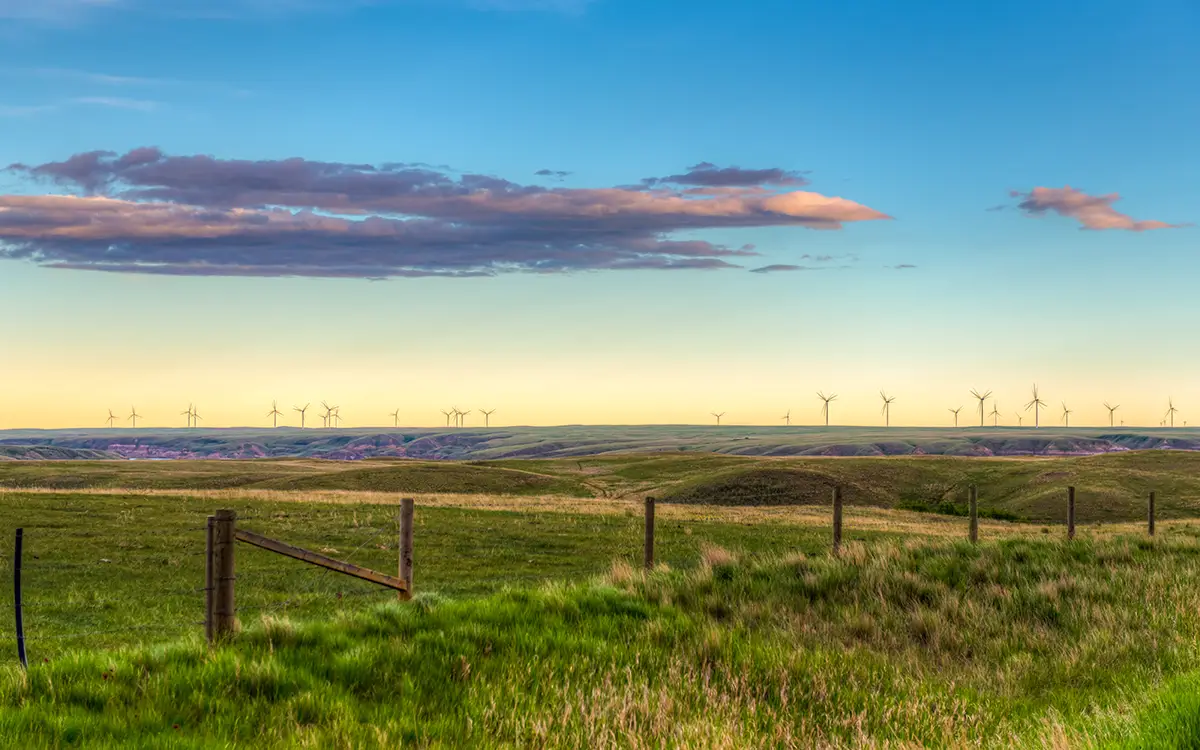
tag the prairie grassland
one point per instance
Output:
(1015, 643)
(857, 517)
(532, 628)
(1111, 488)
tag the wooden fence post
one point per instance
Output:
(406, 541)
(17, 598)
(648, 546)
(1070, 513)
(224, 617)
(1150, 515)
(210, 534)
(837, 520)
(973, 533)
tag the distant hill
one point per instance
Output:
(577, 440)
(53, 453)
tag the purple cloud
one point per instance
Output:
(777, 267)
(1091, 211)
(707, 174)
(150, 212)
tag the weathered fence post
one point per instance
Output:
(648, 546)
(210, 533)
(837, 520)
(1150, 515)
(406, 542)
(973, 533)
(1070, 513)
(17, 598)
(224, 617)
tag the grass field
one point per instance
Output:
(531, 628)
(1111, 487)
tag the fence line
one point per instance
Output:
(219, 608)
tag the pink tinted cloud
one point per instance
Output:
(1091, 211)
(170, 214)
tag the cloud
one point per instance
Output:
(148, 211)
(117, 102)
(25, 110)
(777, 267)
(55, 11)
(555, 173)
(902, 267)
(68, 11)
(706, 174)
(1091, 211)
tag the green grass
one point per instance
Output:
(1111, 488)
(110, 570)
(895, 643)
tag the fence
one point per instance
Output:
(217, 563)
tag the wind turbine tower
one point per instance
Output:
(1111, 413)
(995, 414)
(825, 406)
(133, 416)
(982, 397)
(718, 416)
(1171, 411)
(297, 408)
(487, 416)
(787, 418)
(955, 413)
(111, 418)
(395, 418)
(274, 414)
(887, 408)
(1037, 405)
(1066, 417)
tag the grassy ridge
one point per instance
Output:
(1111, 487)
(1026, 643)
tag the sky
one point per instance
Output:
(597, 211)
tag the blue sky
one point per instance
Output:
(929, 116)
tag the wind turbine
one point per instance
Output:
(1066, 417)
(887, 408)
(188, 414)
(133, 416)
(462, 415)
(328, 413)
(1036, 404)
(1171, 410)
(955, 413)
(275, 414)
(995, 414)
(487, 416)
(195, 416)
(1020, 420)
(982, 397)
(297, 408)
(335, 416)
(787, 418)
(448, 413)
(111, 418)
(718, 416)
(825, 407)
(395, 418)
(457, 415)
(1112, 409)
